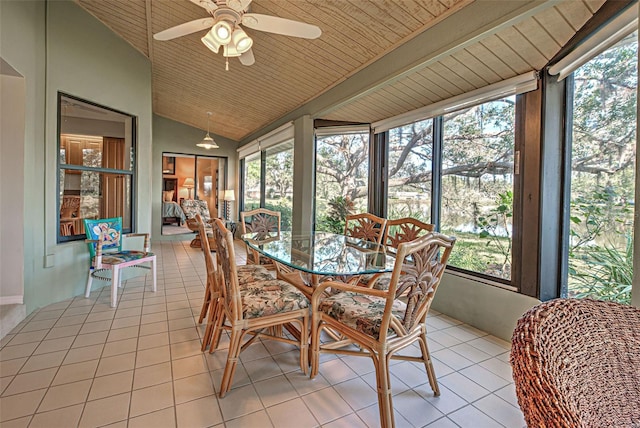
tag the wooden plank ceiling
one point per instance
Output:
(189, 79)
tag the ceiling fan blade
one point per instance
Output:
(238, 5)
(286, 27)
(247, 58)
(208, 5)
(184, 29)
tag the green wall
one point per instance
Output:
(57, 46)
(175, 137)
(488, 307)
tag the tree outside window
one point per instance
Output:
(410, 171)
(603, 159)
(477, 186)
(279, 182)
(342, 179)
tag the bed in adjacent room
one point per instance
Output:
(171, 210)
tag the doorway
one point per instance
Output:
(184, 177)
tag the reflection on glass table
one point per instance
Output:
(306, 260)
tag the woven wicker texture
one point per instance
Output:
(576, 363)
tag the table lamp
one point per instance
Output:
(228, 197)
(189, 184)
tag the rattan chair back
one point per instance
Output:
(260, 220)
(404, 229)
(226, 259)
(211, 292)
(417, 272)
(365, 226)
(576, 363)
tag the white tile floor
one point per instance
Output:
(81, 363)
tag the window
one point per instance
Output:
(342, 174)
(477, 186)
(252, 188)
(410, 171)
(270, 187)
(602, 162)
(96, 164)
(279, 181)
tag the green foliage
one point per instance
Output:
(607, 273)
(334, 220)
(495, 225)
(396, 212)
(595, 214)
(603, 180)
(284, 207)
(601, 250)
(465, 256)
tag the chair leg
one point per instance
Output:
(384, 391)
(315, 345)
(232, 360)
(87, 291)
(206, 303)
(154, 273)
(115, 283)
(304, 345)
(426, 357)
(219, 317)
(211, 320)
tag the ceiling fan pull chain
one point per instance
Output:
(227, 65)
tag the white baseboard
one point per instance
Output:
(11, 300)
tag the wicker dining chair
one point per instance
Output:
(260, 220)
(379, 323)
(576, 363)
(255, 308)
(400, 230)
(365, 226)
(210, 303)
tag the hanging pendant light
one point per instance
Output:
(208, 142)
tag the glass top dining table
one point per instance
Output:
(320, 255)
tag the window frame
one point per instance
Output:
(374, 159)
(436, 190)
(263, 171)
(132, 172)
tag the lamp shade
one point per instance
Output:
(208, 143)
(189, 183)
(211, 42)
(229, 195)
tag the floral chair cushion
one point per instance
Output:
(123, 257)
(360, 312)
(380, 281)
(264, 298)
(191, 207)
(248, 274)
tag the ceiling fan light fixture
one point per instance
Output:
(230, 51)
(241, 40)
(222, 31)
(210, 41)
(208, 142)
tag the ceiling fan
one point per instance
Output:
(225, 30)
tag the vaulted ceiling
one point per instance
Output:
(190, 80)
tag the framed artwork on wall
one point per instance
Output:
(168, 165)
